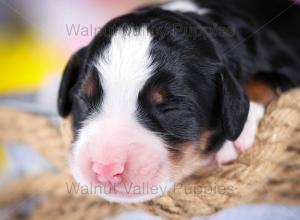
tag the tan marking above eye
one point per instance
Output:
(89, 87)
(159, 95)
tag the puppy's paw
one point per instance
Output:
(247, 137)
(231, 150)
(226, 154)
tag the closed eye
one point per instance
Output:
(86, 103)
(167, 108)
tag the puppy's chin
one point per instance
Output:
(136, 194)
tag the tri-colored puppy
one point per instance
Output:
(168, 89)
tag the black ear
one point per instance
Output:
(234, 106)
(69, 78)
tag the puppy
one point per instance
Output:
(168, 89)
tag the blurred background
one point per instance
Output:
(36, 40)
(37, 37)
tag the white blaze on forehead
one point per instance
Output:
(185, 6)
(124, 70)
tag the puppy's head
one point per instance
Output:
(146, 106)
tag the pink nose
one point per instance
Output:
(108, 173)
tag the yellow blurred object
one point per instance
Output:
(3, 159)
(24, 64)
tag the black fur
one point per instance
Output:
(203, 61)
(71, 74)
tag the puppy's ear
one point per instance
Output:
(69, 79)
(234, 106)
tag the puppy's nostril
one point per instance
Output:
(110, 172)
